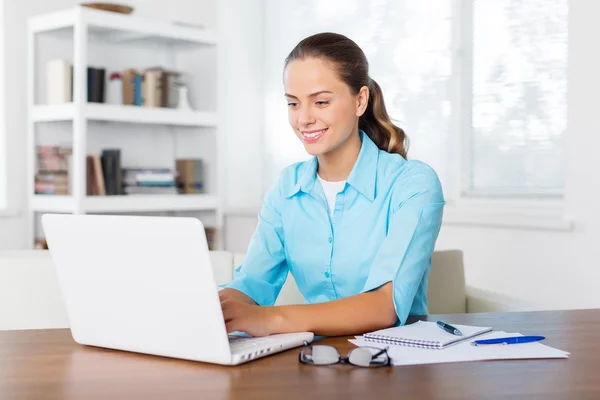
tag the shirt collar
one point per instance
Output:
(364, 173)
(362, 177)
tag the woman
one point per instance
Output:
(356, 225)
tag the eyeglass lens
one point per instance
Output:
(360, 356)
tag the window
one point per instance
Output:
(478, 85)
(519, 97)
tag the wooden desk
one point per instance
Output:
(47, 364)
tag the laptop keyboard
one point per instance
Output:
(241, 344)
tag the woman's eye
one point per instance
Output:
(322, 103)
(292, 104)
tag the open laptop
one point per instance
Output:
(145, 284)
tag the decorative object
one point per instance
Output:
(183, 103)
(113, 7)
(114, 90)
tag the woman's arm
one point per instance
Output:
(351, 315)
(357, 314)
(262, 274)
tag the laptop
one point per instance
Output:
(145, 284)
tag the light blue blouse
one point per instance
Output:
(383, 229)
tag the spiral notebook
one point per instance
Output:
(424, 334)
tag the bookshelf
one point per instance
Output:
(84, 28)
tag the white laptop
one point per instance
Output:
(146, 285)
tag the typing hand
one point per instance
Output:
(243, 317)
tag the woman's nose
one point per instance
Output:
(305, 116)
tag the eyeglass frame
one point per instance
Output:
(345, 360)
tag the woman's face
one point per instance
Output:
(321, 108)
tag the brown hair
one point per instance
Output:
(353, 69)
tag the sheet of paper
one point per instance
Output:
(405, 355)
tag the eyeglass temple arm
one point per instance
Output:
(380, 353)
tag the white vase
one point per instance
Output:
(114, 91)
(183, 103)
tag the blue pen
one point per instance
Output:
(508, 340)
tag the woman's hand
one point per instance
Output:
(244, 317)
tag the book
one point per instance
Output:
(111, 171)
(59, 77)
(96, 84)
(190, 175)
(424, 334)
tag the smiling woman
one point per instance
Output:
(355, 225)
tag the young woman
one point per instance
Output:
(355, 225)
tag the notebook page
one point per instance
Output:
(425, 332)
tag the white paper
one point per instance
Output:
(405, 355)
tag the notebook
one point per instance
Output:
(424, 334)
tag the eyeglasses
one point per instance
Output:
(360, 356)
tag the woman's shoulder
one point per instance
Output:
(292, 176)
(410, 178)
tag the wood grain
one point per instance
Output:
(47, 364)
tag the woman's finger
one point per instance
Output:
(232, 326)
(226, 302)
(228, 315)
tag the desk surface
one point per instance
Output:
(47, 364)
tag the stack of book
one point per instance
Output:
(53, 168)
(152, 87)
(149, 181)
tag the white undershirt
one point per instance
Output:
(331, 190)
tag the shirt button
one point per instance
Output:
(327, 275)
(330, 239)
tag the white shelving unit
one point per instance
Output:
(82, 25)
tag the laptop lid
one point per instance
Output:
(139, 283)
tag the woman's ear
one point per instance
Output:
(362, 101)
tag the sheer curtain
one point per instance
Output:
(519, 105)
(408, 45)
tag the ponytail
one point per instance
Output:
(376, 123)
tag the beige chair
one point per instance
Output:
(30, 297)
(446, 291)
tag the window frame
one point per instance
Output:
(472, 207)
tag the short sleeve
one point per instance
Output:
(404, 257)
(264, 270)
